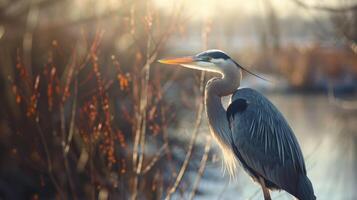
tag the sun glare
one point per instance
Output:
(201, 9)
(214, 8)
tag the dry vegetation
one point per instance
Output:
(79, 121)
(304, 66)
(83, 113)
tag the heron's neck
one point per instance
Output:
(215, 89)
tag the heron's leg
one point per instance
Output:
(265, 189)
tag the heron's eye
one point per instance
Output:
(206, 58)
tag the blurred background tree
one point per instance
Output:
(87, 113)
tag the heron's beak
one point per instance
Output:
(191, 62)
(178, 61)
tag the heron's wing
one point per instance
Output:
(264, 142)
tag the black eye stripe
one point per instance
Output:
(218, 55)
(214, 54)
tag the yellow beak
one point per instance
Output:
(177, 61)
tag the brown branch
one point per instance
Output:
(139, 140)
(138, 156)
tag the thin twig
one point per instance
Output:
(71, 126)
(64, 143)
(49, 160)
(32, 20)
(191, 145)
(201, 168)
(155, 159)
(67, 145)
(138, 156)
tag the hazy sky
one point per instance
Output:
(199, 9)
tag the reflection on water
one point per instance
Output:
(328, 138)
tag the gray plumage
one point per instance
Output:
(251, 130)
(265, 144)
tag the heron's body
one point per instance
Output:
(265, 144)
(251, 130)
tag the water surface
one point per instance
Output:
(328, 137)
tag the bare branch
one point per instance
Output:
(191, 145)
(155, 159)
(48, 159)
(201, 168)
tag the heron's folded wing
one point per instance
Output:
(264, 142)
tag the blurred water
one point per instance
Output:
(328, 138)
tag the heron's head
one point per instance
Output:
(211, 60)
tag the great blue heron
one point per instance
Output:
(251, 130)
